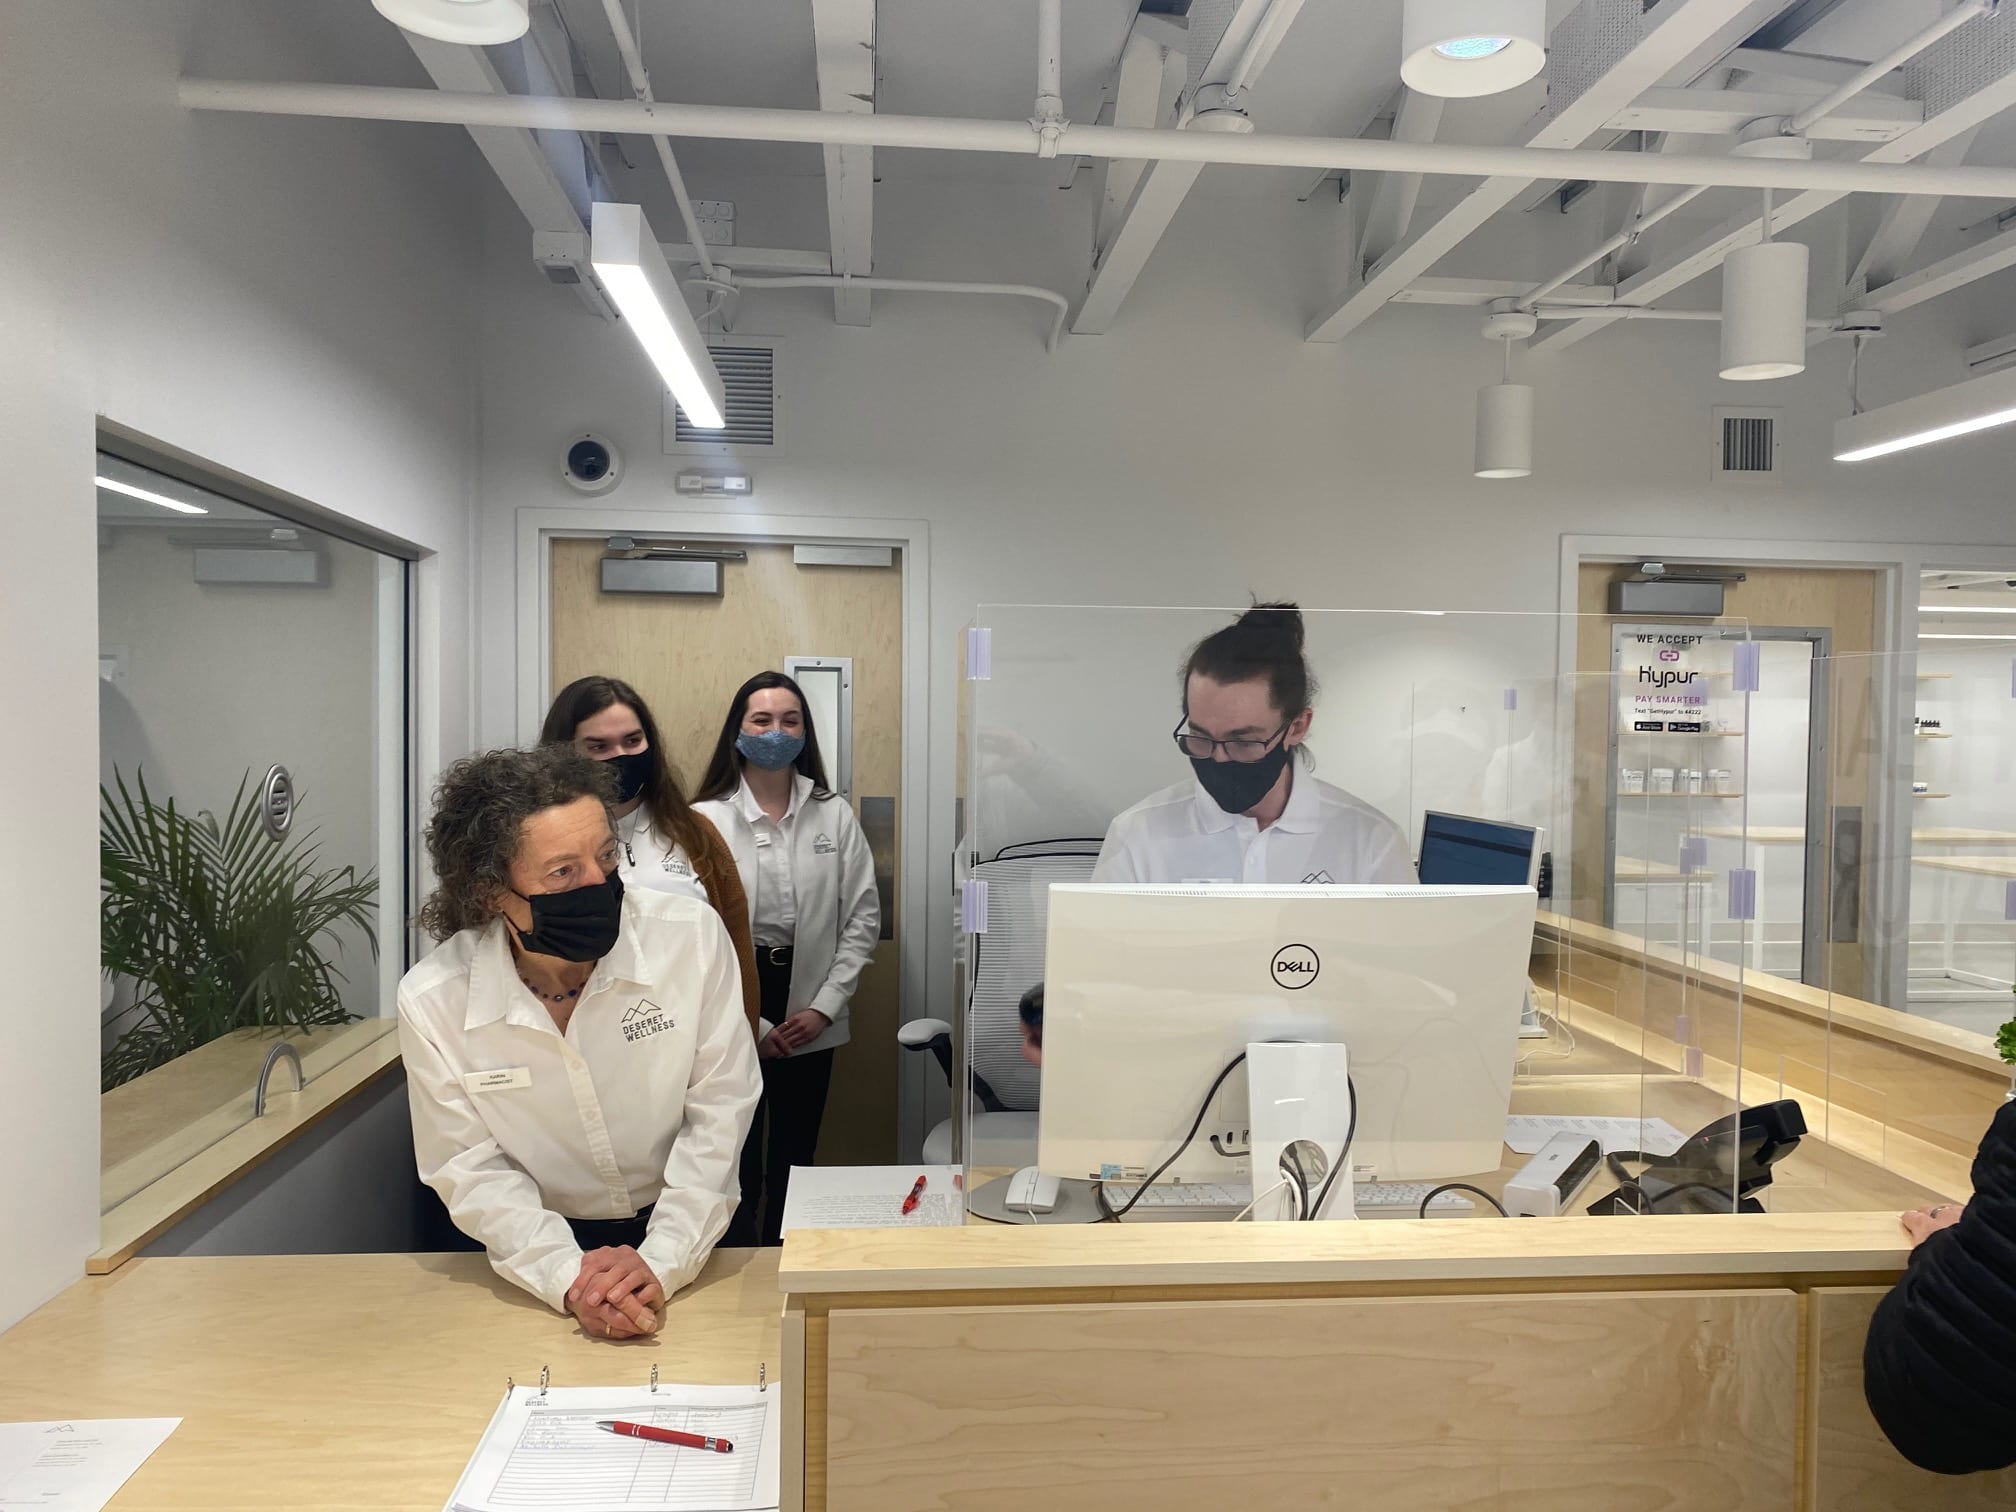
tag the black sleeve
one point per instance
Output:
(1939, 1366)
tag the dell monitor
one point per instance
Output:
(1151, 992)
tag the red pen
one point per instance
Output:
(910, 1202)
(667, 1436)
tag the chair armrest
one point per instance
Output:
(919, 1033)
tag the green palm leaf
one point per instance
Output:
(217, 926)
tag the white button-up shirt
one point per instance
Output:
(773, 917)
(644, 1100)
(1323, 835)
(652, 860)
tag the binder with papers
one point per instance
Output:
(543, 1452)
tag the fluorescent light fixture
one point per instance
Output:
(1764, 311)
(1941, 609)
(1463, 48)
(1978, 404)
(1934, 635)
(152, 498)
(479, 23)
(627, 259)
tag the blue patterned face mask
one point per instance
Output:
(773, 750)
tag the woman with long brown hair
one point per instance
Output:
(666, 846)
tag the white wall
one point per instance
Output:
(1201, 449)
(285, 299)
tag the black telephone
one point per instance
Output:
(1718, 1170)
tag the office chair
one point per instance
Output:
(1002, 965)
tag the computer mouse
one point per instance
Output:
(1030, 1191)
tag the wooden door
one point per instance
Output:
(1840, 600)
(688, 655)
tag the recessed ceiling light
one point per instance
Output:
(1469, 49)
(1459, 49)
(478, 23)
(178, 505)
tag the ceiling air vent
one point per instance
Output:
(749, 378)
(1746, 444)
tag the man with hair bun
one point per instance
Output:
(1251, 811)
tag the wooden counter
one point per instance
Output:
(166, 1156)
(317, 1383)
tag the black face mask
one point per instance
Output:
(1235, 786)
(581, 925)
(633, 770)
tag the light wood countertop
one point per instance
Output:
(1960, 1047)
(214, 1152)
(1979, 866)
(150, 1125)
(1163, 1255)
(314, 1383)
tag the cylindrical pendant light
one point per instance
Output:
(1462, 48)
(1505, 409)
(1505, 431)
(478, 23)
(1764, 311)
(1764, 308)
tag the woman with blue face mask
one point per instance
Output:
(814, 916)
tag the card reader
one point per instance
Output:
(1549, 1182)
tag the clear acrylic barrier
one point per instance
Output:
(1916, 860)
(1639, 960)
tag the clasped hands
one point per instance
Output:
(616, 1295)
(794, 1033)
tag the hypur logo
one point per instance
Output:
(1295, 967)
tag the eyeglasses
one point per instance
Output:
(1204, 748)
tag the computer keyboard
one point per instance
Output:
(1206, 1200)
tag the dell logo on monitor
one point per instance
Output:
(1295, 966)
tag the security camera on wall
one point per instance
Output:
(592, 465)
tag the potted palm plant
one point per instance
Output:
(218, 926)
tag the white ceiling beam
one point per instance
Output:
(1252, 33)
(522, 161)
(1942, 74)
(1904, 224)
(1153, 70)
(1394, 195)
(843, 36)
(1944, 276)
(1806, 68)
(1724, 112)
(1603, 57)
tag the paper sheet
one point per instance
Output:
(76, 1465)
(842, 1197)
(543, 1453)
(1525, 1133)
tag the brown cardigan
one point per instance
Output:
(715, 866)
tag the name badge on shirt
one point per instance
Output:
(762, 840)
(503, 1079)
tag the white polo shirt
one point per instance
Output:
(646, 1098)
(1323, 835)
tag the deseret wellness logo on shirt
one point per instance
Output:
(645, 1019)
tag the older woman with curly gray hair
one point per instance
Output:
(580, 1070)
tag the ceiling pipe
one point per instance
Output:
(1019, 139)
(1649, 312)
(1638, 227)
(1049, 117)
(737, 283)
(1952, 21)
(640, 86)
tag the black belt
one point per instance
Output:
(773, 955)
